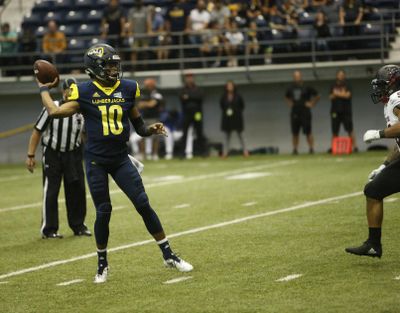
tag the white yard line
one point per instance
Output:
(18, 177)
(251, 203)
(391, 200)
(67, 283)
(177, 280)
(289, 277)
(397, 278)
(3, 282)
(187, 232)
(167, 183)
(119, 207)
(182, 206)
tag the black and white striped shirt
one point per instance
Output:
(60, 134)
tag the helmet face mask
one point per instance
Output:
(102, 63)
(386, 83)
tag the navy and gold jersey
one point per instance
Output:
(106, 113)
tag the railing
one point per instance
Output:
(274, 48)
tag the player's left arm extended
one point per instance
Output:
(67, 109)
(141, 128)
(390, 132)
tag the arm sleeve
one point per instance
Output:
(140, 127)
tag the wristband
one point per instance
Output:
(44, 88)
(31, 156)
(382, 133)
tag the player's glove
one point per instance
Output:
(371, 135)
(375, 172)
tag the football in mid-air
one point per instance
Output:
(45, 71)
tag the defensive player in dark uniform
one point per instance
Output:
(384, 181)
(301, 99)
(107, 103)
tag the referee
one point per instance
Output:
(62, 159)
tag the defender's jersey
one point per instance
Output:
(106, 113)
(391, 118)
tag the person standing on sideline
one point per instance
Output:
(191, 98)
(341, 111)
(107, 102)
(301, 99)
(150, 106)
(232, 106)
(62, 160)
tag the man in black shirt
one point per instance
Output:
(301, 99)
(341, 112)
(113, 24)
(192, 108)
(62, 160)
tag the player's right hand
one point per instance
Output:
(375, 172)
(371, 135)
(30, 164)
(53, 84)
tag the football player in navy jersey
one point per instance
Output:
(107, 103)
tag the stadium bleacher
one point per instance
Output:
(80, 20)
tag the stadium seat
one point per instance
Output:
(306, 18)
(33, 19)
(100, 4)
(94, 16)
(43, 6)
(68, 30)
(88, 30)
(40, 31)
(84, 4)
(54, 16)
(63, 5)
(75, 17)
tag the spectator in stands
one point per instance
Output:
(331, 10)
(220, 13)
(191, 98)
(232, 106)
(139, 26)
(8, 39)
(234, 40)
(350, 17)
(322, 32)
(301, 99)
(54, 42)
(176, 19)
(212, 45)
(27, 45)
(113, 24)
(341, 107)
(252, 44)
(8, 46)
(198, 21)
(159, 36)
(319, 4)
(150, 105)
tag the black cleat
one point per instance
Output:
(367, 249)
(83, 232)
(52, 236)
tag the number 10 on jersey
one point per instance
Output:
(111, 119)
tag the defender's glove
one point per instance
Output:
(375, 172)
(371, 135)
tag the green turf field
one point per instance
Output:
(292, 215)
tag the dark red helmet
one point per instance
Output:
(386, 82)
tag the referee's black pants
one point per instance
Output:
(66, 166)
